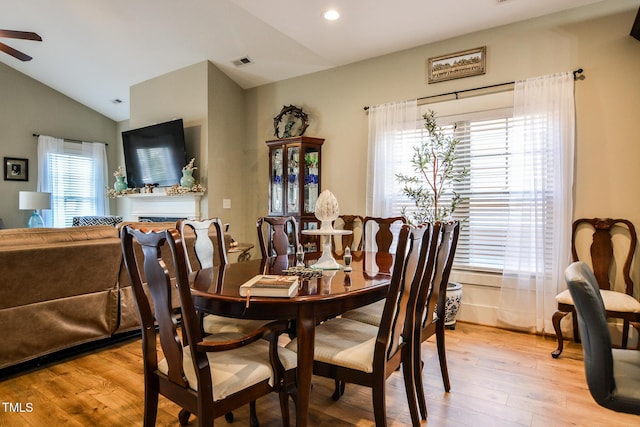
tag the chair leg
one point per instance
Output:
(557, 317)
(150, 404)
(625, 334)
(338, 390)
(379, 402)
(183, 417)
(253, 417)
(576, 330)
(417, 378)
(442, 355)
(284, 407)
(410, 387)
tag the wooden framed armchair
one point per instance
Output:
(620, 303)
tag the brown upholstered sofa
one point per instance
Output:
(60, 288)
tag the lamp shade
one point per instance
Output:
(33, 200)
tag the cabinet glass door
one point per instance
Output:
(311, 178)
(277, 184)
(293, 179)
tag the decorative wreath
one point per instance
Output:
(291, 121)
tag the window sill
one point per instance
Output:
(493, 280)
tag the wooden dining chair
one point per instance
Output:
(353, 241)
(205, 378)
(209, 249)
(372, 313)
(380, 230)
(277, 235)
(352, 352)
(620, 303)
(430, 303)
(208, 243)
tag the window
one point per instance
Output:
(75, 175)
(484, 149)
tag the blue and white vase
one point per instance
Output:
(452, 304)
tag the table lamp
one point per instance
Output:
(34, 200)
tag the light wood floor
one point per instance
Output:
(498, 377)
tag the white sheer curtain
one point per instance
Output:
(541, 202)
(387, 126)
(98, 152)
(47, 145)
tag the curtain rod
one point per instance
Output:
(577, 75)
(77, 141)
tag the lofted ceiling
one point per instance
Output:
(94, 50)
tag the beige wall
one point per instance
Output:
(28, 107)
(211, 106)
(607, 104)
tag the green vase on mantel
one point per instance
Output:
(187, 179)
(120, 184)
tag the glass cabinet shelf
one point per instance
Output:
(294, 182)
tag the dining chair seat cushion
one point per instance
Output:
(626, 376)
(370, 314)
(214, 324)
(237, 369)
(613, 301)
(344, 342)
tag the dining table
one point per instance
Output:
(322, 294)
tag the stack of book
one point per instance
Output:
(270, 286)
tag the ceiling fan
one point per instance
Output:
(24, 35)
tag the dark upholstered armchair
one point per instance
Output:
(613, 375)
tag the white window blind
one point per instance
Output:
(72, 177)
(484, 149)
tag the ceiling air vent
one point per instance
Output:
(245, 60)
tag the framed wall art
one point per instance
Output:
(16, 169)
(456, 65)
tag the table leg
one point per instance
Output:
(306, 329)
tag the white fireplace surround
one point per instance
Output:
(160, 205)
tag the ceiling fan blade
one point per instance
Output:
(25, 35)
(15, 53)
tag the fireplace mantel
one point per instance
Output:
(161, 205)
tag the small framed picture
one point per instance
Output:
(16, 169)
(456, 65)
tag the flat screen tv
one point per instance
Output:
(155, 154)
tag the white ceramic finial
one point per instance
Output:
(327, 209)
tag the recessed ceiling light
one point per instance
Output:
(331, 15)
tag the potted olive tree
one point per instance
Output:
(431, 187)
